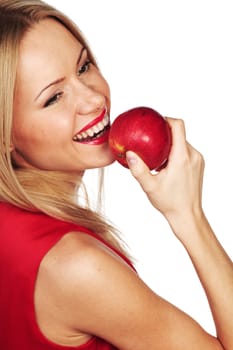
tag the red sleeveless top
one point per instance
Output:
(25, 238)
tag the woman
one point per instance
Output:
(65, 279)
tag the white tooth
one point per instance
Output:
(90, 132)
(84, 134)
(96, 128)
(76, 137)
(101, 125)
(105, 121)
(79, 137)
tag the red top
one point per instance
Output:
(25, 238)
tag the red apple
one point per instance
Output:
(143, 131)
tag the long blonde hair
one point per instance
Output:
(52, 192)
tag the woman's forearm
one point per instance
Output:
(215, 271)
(176, 192)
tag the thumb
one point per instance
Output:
(138, 169)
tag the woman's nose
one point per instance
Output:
(89, 99)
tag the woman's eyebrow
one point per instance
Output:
(81, 54)
(47, 86)
(57, 81)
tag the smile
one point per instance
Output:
(94, 132)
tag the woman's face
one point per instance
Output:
(61, 102)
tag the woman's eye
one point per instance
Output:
(84, 68)
(54, 99)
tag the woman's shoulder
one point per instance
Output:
(80, 255)
(76, 273)
(100, 293)
(79, 247)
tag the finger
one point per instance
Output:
(179, 144)
(177, 128)
(139, 170)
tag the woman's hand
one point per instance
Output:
(176, 190)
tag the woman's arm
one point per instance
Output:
(215, 271)
(176, 192)
(91, 291)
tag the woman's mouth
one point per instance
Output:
(94, 132)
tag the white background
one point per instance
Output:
(174, 56)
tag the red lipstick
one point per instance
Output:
(93, 122)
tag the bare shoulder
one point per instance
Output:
(77, 253)
(70, 269)
(80, 262)
(93, 291)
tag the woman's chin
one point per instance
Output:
(108, 162)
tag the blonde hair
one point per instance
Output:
(51, 192)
